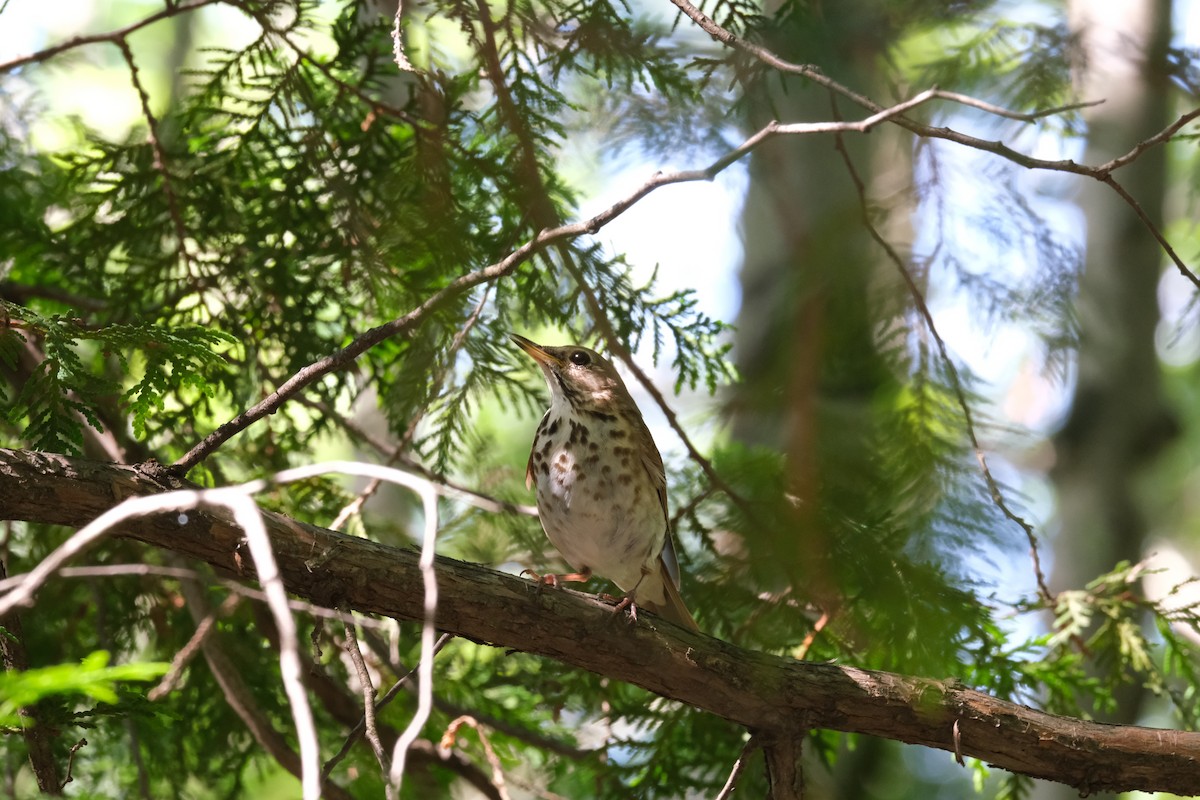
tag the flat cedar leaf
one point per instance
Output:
(91, 677)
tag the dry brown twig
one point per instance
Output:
(956, 383)
(368, 695)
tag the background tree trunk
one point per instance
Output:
(1119, 419)
(805, 336)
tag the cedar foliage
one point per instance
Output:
(302, 190)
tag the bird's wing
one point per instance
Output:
(529, 463)
(669, 560)
(674, 609)
(653, 464)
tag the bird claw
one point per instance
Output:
(622, 603)
(556, 581)
(541, 581)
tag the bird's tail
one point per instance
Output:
(674, 609)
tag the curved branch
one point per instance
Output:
(774, 696)
(956, 381)
(113, 37)
(1100, 173)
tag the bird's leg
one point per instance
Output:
(554, 580)
(627, 601)
(622, 604)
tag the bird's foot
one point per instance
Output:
(555, 580)
(622, 603)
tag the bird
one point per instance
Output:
(601, 486)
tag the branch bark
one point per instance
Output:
(777, 698)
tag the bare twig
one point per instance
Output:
(368, 695)
(1019, 116)
(391, 693)
(113, 37)
(189, 650)
(366, 341)
(951, 368)
(739, 767)
(248, 516)
(505, 726)
(1100, 173)
(398, 54)
(428, 494)
(112, 570)
(1161, 137)
(75, 748)
(550, 235)
(497, 772)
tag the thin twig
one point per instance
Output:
(428, 493)
(368, 695)
(505, 726)
(112, 36)
(189, 650)
(811, 636)
(1150, 226)
(1159, 138)
(75, 748)
(951, 368)
(549, 235)
(398, 54)
(114, 570)
(1019, 116)
(497, 771)
(248, 515)
(739, 767)
(391, 693)
(813, 73)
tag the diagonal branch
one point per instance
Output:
(1100, 173)
(551, 234)
(113, 37)
(960, 394)
(160, 155)
(780, 698)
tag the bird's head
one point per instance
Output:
(576, 375)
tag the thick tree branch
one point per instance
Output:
(775, 697)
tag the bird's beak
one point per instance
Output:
(535, 351)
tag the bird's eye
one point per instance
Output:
(580, 359)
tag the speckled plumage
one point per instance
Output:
(601, 488)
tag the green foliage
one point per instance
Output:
(71, 384)
(92, 678)
(286, 203)
(1107, 619)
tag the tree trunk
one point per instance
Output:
(1119, 419)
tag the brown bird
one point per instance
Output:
(601, 488)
